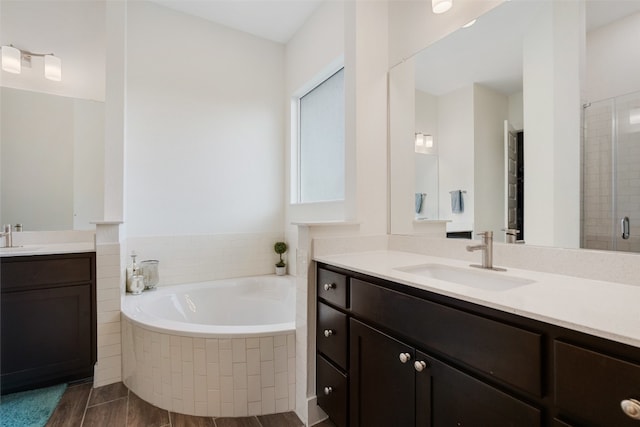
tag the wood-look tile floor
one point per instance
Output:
(115, 406)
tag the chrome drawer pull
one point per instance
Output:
(405, 357)
(631, 408)
(328, 390)
(329, 286)
(328, 332)
(419, 365)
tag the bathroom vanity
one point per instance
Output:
(392, 351)
(48, 318)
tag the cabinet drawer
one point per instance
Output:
(332, 391)
(332, 334)
(502, 351)
(46, 271)
(332, 287)
(590, 385)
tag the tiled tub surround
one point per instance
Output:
(196, 258)
(213, 366)
(228, 377)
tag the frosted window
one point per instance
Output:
(321, 150)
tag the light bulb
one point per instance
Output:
(441, 6)
(11, 59)
(52, 68)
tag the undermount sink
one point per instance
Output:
(475, 278)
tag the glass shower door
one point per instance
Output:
(611, 174)
(626, 173)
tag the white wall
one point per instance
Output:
(426, 165)
(204, 141)
(516, 111)
(456, 151)
(73, 30)
(613, 60)
(551, 75)
(37, 161)
(402, 125)
(489, 113)
(88, 163)
(366, 54)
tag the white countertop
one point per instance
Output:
(605, 309)
(47, 249)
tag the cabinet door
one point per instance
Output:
(590, 386)
(461, 400)
(46, 335)
(382, 387)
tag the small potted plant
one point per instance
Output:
(281, 267)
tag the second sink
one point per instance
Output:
(469, 277)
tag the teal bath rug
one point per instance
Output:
(30, 408)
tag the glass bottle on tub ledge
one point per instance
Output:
(149, 269)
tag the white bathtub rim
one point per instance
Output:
(130, 311)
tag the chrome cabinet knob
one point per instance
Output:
(631, 408)
(329, 286)
(419, 365)
(328, 390)
(404, 357)
(328, 332)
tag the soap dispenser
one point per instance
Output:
(135, 279)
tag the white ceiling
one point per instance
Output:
(490, 52)
(276, 20)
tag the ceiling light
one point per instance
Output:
(441, 6)
(468, 24)
(12, 59)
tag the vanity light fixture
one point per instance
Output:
(634, 116)
(441, 6)
(13, 58)
(423, 143)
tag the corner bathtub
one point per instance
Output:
(218, 348)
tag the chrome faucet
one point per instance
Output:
(6, 233)
(487, 250)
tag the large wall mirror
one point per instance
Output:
(52, 172)
(528, 120)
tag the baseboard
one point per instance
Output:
(315, 414)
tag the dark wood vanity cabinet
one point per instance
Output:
(48, 319)
(412, 358)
